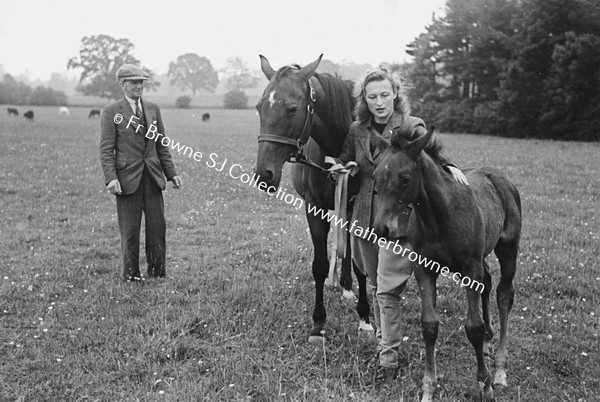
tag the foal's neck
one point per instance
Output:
(433, 202)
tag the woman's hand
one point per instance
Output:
(334, 172)
(458, 175)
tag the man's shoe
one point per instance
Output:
(134, 279)
(383, 376)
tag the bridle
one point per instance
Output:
(297, 156)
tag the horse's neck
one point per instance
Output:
(434, 199)
(329, 138)
(325, 130)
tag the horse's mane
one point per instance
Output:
(434, 148)
(339, 104)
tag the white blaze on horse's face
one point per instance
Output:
(272, 99)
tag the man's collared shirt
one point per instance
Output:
(133, 104)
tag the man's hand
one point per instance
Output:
(177, 182)
(458, 175)
(114, 187)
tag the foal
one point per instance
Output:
(457, 226)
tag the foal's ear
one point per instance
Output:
(266, 68)
(308, 70)
(380, 143)
(414, 148)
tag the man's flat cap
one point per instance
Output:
(131, 72)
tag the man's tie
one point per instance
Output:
(138, 111)
(138, 114)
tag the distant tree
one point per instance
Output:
(237, 75)
(13, 91)
(47, 96)
(235, 99)
(193, 72)
(19, 93)
(183, 101)
(100, 57)
(552, 85)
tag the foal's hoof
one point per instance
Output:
(500, 378)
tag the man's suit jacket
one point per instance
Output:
(124, 152)
(357, 147)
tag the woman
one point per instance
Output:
(381, 109)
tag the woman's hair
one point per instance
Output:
(361, 110)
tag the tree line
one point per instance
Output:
(13, 92)
(518, 68)
(100, 57)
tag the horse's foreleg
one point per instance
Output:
(363, 307)
(507, 256)
(476, 331)
(318, 233)
(430, 326)
(346, 278)
(485, 305)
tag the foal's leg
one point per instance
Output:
(475, 329)
(363, 307)
(485, 305)
(320, 267)
(429, 325)
(507, 256)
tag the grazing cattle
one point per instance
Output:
(93, 113)
(206, 117)
(12, 110)
(28, 115)
(63, 110)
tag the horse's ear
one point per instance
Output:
(266, 68)
(308, 70)
(414, 148)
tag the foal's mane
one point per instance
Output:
(338, 103)
(434, 148)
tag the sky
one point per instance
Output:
(40, 36)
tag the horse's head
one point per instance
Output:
(397, 181)
(285, 111)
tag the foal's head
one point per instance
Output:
(397, 181)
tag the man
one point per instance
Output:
(134, 170)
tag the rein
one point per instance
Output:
(297, 156)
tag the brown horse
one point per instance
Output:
(457, 226)
(305, 116)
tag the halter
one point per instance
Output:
(297, 156)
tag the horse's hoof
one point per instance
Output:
(316, 339)
(332, 283)
(486, 392)
(364, 326)
(500, 378)
(348, 295)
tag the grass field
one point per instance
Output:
(231, 321)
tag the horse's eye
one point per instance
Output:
(404, 180)
(292, 109)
